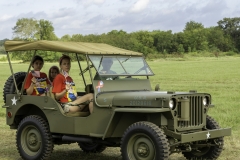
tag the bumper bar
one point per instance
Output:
(199, 136)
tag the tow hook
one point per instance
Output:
(189, 149)
(217, 143)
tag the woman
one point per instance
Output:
(52, 73)
(37, 82)
(65, 91)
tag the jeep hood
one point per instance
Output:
(137, 98)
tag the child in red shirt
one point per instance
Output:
(65, 91)
(37, 82)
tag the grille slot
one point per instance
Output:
(196, 112)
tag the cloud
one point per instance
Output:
(88, 3)
(102, 16)
(5, 17)
(62, 12)
(139, 6)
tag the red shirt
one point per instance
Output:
(41, 84)
(59, 84)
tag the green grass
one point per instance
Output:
(218, 76)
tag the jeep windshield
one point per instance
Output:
(120, 65)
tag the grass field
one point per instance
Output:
(218, 76)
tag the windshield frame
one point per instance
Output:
(121, 62)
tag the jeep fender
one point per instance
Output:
(124, 117)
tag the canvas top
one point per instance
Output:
(68, 47)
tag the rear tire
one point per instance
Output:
(212, 152)
(34, 140)
(144, 141)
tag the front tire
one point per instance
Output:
(212, 152)
(34, 140)
(144, 141)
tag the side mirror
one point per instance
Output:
(157, 88)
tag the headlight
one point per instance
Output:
(172, 104)
(205, 101)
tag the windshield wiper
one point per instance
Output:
(85, 70)
(126, 59)
(144, 67)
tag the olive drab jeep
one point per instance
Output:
(146, 124)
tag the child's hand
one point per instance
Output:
(67, 86)
(34, 80)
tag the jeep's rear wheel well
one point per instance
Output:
(27, 110)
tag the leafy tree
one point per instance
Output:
(45, 30)
(196, 39)
(25, 29)
(163, 40)
(217, 40)
(2, 41)
(145, 38)
(192, 25)
(2, 50)
(77, 37)
(145, 41)
(180, 49)
(231, 26)
(31, 29)
(66, 37)
(178, 38)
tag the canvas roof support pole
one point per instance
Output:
(81, 69)
(10, 65)
(35, 51)
(89, 68)
(99, 64)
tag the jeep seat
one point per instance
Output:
(89, 88)
(50, 93)
(76, 114)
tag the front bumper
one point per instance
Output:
(199, 136)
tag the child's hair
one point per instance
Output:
(49, 72)
(35, 58)
(64, 57)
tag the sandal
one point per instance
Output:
(84, 103)
(66, 106)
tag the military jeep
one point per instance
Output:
(146, 124)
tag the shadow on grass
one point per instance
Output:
(63, 154)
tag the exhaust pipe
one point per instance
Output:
(77, 139)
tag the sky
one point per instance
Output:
(102, 16)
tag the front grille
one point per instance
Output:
(195, 112)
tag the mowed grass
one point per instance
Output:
(218, 76)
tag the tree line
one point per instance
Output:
(224, 37)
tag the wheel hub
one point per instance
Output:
(32, 140)
(143, 150)
(141, 147)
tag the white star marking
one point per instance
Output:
(14, 101)
(105, 99)
(208, 135)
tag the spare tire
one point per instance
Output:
(9, 87)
